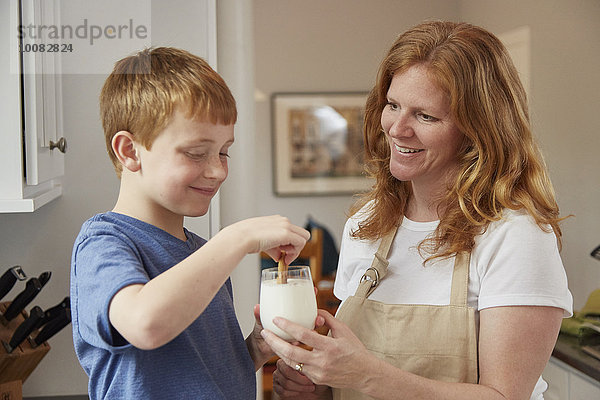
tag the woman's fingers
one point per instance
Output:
(289, 353)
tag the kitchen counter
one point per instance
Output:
(568, 350)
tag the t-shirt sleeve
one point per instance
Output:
(341, 280)
(102, 265)
(519, 264)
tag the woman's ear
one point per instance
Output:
(125, 148)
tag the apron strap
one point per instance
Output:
(460, 279)
(378, 268)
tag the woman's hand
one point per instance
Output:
(339, 361)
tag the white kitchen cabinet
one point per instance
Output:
(33, 145)
(566, 383)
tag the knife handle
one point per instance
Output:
(44, 277)
(26, 327)
(9, 278)
(53, 327)
(32, 289)
(55, 311)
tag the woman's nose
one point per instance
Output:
(400, 126)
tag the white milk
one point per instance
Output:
(294, 300)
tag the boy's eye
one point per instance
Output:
(195, 156)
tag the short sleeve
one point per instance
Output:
(518, 263)
(341, 279)
(355, 257)
(102, 265)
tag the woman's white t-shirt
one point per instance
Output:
(513, 262)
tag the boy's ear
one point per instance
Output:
(125, 148)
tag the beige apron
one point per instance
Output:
(437, 342)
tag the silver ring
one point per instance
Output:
(298, 367)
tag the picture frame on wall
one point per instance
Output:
(318, 143)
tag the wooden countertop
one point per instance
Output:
(568, 350)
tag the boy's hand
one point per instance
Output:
(272, 234)
(259, 350)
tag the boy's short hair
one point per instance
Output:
(143, 91)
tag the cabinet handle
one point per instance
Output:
(61, 145)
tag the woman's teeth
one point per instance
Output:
(407, 150)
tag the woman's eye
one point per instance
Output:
(224, 155)
(392, 106)
(427, 118)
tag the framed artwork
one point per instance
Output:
(318, 143)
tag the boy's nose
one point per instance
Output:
(216, 168)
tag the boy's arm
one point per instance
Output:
(150, 315)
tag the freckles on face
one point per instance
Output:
(187, 164)
(424, 141)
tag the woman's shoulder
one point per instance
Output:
(360, 215)
(516, 231)
(516, 222)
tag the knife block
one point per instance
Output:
(18, 365)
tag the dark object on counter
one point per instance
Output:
(44, 277)
(53, 327)
(55, 319)
(585, 324)
(18, 365)
(9, 278)
(57, 310)
(32, 289)
(24, 330)
(596, 253)
(568, 350)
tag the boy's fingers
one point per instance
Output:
(292, 380)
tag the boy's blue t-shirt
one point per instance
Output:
(209, 360)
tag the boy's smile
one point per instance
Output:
(183, 169)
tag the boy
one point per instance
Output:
(152, 304)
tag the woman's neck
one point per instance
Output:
(423, 205)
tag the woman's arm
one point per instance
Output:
(515, 344)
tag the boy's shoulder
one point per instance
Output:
(131, 229)
(107, 221)
(111, 224)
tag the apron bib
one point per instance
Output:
(436, 342)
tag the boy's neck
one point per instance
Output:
(167, 221)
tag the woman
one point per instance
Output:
(465, 294)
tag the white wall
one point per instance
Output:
(565, 101)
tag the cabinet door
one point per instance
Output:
(558, 382)
(42, 100)
(583, 389)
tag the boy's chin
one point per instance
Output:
(194, 214)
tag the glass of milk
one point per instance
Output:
(294, 300)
